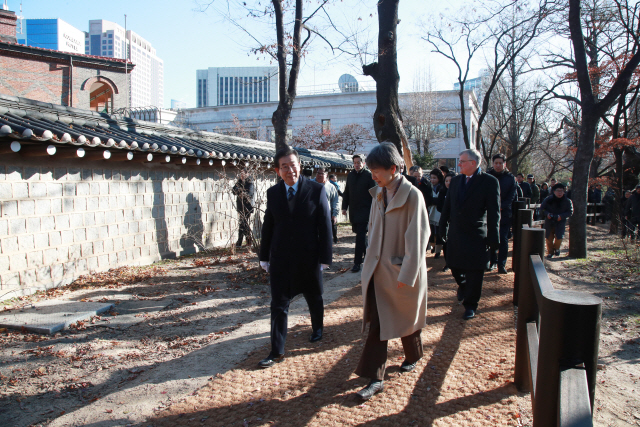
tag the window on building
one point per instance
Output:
(326, 125)
(110, 35)
(444, 130)
(226, 91)
(450, 163)
(220, 93)
(260, 91)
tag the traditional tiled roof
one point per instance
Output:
(34, 125)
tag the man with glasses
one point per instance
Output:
(471, 214)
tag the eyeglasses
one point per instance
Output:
(462, 161)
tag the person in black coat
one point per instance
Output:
(508, 194)
(632, 212)
(544, 191)
(357, 200)
(442, 196)
(295, 248)
(244, 191)
(556, 209)
(623, 203)
(471, 216)
(524, 186)
(422, 183)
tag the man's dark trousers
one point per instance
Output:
(471, 283)
(360, 229)
(280, 314)
(500, 256)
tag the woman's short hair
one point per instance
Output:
(385, 155)
(437, 172)
(473, 155)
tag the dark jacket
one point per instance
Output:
(356, 196)
(296, 243)
(244, 191)
(535, 193)
(427, 192)
(632, 207)
(526, 189)
(442, 195)
(508, 191)
(472, 214)
(543, 194)
(558, 208)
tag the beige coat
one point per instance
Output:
(397, 253)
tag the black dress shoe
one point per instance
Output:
(356, 268)
(460, 293)
(557, 252)
(502, 269)
(373, 388)
(316, 336)
(270, 360)
(469, 314)
(408, 367)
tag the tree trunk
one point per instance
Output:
(387, 119)
(579, 184)
(463, 118)
(618, 186)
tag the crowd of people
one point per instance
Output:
(464, 217)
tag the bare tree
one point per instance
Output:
(348, 138)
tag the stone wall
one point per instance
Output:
(58, 221)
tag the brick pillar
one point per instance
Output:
(8, 26)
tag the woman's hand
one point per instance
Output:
(400, 285)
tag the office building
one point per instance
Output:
(147, 80)
(236, 86)
(54, 34)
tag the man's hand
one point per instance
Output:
(264, 265)
(400, 285)
(334, 219)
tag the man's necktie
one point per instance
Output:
(291, 193)
(468, 179)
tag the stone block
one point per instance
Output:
(18, 261)
(55, 238)
(67, 237)
(108, 173)
(128, 241)
(67, 205)
(54, 190)
(74, 251)
(28, 277)
(122, 202)
(56, 206)
(94, 188)
(20, 190)
(60, 174)
(98, 247)
(128, 215)
(103, 232)
(63, 254)
(50, 256)
(139, 239)
(104, 188)
(134, 227)
(103, 261)
(43, 207)
(9, 280)
(14, 173)
(100, 218)
(57, 272)
(5, 190)
(86, 249)
(37, 189)
(82, 189)
(17, 226)
(33, 225)
(87, 175)
(92, 263)
(4, 227)
(108, 245)
(80, 204)
(9, 244)
(70, 269)
(122, 257)
(10, 208)
(92, 233)
(32, 173)
(27, 207)
(76, 220)
(81, 266)
(89, 219)
(80, 235)
(103, 203)
(93, 203)
(98, 175)
(113, 202)
(48, 223)
(43, 274)
(144, 251)
(109, 217)
(69, 189)
(118, 244)
(4, 262)
(62, 221)
(113, 230)
(124, 228)
(113, 259)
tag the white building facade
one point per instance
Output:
(339, 109)
(218, 86)
(54, 34)
(109, 39)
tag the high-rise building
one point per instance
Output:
(54, 34)
(147, 80)
(236, 85)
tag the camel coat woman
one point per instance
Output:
(398, 238)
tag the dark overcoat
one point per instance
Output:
(470, 220)
(296, 243)
(356, 196)
(558, 208)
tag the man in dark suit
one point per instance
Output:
(471, 214)
(357, 200)
(295, 248)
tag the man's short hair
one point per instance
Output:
(357, 156)
(333, 175)
(519, 174)
(499, 156)
(530, 176)
(553, 179)
(385, 155)
(319, 170)
(284, 152)
(473, 155)
(415, 168)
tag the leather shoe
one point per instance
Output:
(356, 268)
(373, 388)
(270, 360)
(469, 314)
(491, 267)
(550, 256)
(316, 336)
(408, 367)
(557, 252)
(460, 293)
(502, 269)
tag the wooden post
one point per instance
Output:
(523, 217)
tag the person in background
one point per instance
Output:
(357, 200)
(544, 191)
(508, 194)
(333, 179)
(524, 186)
(442, 195)
(332, 198)
(424, 185)
(472, 214)
(552, 182)
(632, 213)
(244, 190)
(556, 209)
(297, 216)
(437, 184)
(623, 204)
(535, 190)
(394, 275)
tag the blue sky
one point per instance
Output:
(187, 39)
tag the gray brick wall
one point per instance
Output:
(61, 219)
